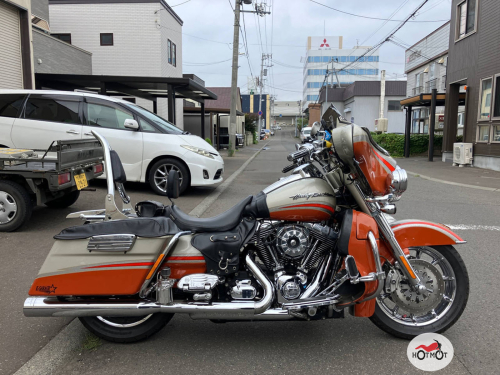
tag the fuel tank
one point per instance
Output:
(298, 198)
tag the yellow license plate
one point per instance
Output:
(81, 181)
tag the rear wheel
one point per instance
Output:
(403, 313)
(65, 201)
(126, 329)
(15, 206)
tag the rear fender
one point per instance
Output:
(412, 233)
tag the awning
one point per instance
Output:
(424, 100)
(148, 88)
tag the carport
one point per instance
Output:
(149, 88)
(432, 100)
(218, 113)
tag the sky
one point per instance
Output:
(208, 35)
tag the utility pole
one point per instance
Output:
(260, 9)
(234, 79)
(263, 72)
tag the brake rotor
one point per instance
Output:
(423, 302)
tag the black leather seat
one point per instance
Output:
(141, 227)
(223, 222)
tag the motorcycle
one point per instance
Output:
(308, 247)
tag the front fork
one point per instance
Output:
(372, 208)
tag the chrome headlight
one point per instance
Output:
(199, 151)
(399, 181)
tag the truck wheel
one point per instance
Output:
(65, 201)
(159, 172)
(15, 206)
(126, 329)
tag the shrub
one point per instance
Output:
(209, 141)
(419, 143)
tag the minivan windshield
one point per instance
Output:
(307, 132)
(161, 122)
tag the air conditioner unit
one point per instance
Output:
(462, 154)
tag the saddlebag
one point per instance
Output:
(221, 250)
(108, 258)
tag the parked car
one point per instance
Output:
(305, 134)
(263, 134)
(279, 127)
(272, 131)
(148, 145)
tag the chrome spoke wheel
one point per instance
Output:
(8, 207)
(161, 175)
(124, 322)
(404, 305)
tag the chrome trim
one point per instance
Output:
(399, 180)
(313, 288)
(124, 325)
(166, 251)
(460, 242)
(314, 302)
(111, 243)
(243, 290)
(268, 315)
(43, 306)
(198, 282)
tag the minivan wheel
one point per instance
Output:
(159, 172)
(15, 206)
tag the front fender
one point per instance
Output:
(411, 233)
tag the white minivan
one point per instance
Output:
(148, 146)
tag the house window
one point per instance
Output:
(106, 39)
(169, 47)
(496, 98)
(485, 99)
(174, 54)
(394, 105)
(466, 18)
(483, 133)
(64, 37)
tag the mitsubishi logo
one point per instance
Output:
(324, 44)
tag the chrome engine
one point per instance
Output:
(291, 252)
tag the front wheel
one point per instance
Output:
(126, 329)
(158, 175)
(404, 313)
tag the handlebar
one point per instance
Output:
(288, 168)
(298, 154)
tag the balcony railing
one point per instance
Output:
(418, 90)
(431, 85)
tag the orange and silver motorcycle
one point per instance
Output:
(308, 247)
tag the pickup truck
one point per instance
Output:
(53, 177)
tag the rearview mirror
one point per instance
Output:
(131, 124)
(173, 184)
(315, 128)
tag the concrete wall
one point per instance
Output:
(40, 8)
(52, 55)
(192, 124)
(365, 110)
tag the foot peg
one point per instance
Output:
(310, 302)
(351, 268)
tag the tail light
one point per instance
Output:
(64, 178)
(98, 168)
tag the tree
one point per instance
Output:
(302, 122)
(251, 124)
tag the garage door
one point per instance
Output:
(10, 48)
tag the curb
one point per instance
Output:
(451, 182)
(57, 351)
(212, 197)
(63, 345)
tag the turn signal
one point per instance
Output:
(64, 178)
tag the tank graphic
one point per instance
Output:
(297, 198)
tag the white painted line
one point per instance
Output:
(451, 183)
(472, 227)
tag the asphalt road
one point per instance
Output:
(351, 344)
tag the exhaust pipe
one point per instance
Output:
(47, 307)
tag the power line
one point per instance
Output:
(371, 18)
(204, 64)
(176, 5)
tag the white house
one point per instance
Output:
(139, 38)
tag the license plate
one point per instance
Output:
(81, 181)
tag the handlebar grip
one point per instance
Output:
(298, 154)
(288, 168)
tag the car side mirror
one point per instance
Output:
(173, 184)
(131, 124)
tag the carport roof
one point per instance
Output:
(143, 87)
(424, 100)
